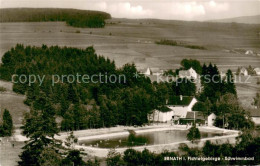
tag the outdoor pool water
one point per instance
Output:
(141, 139)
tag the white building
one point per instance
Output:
(148, 72)
(179, 106)
(211, 119)
(152, 71)
(191, 73)
(257, 71)
(159, 116)
(249, 52)
(255, 115)
(244, 71)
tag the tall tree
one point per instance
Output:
(230, 85)
(40, 127)
(200, 106)
(257, 100)
(195, 64)
(7, 125)
(231, 114)
(184, 86)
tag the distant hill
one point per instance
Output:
(243, 19)
(73, 17)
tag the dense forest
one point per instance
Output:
(81, 105)
(73, 17)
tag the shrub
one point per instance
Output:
(2, 89)
(113, 158)
(180, 44)
(194, 133)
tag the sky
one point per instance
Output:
(198, 10)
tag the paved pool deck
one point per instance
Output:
(230, 137)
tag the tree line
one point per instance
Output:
(73, 17)
(219, 96)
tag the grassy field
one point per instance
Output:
(128, 41)
(10, 154)
(247, 90)
(12, 102)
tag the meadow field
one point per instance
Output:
(128, 41)
(13, 102)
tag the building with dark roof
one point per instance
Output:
(180, 112)
(151, 71)
(178, 108)
(190, 74)
(193, 116)
(180, 100)
(255, 115)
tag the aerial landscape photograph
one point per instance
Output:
(129, 82)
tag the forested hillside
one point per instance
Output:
(73, 17)
(82, 105)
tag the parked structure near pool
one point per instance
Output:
(178, 108)
(180, 112)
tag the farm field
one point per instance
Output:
(247, 90)
(14, 103)
(128, 41)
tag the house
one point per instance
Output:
(190, 74)
(198, 117)
(211, 119)
(151, 71)
(160, 116)
(180, 105)
(249, 52)
(156, 71)
(257, 71)
(178, 108)
(159, 78)
(255, 115)
(244, 71)
(147, 72)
